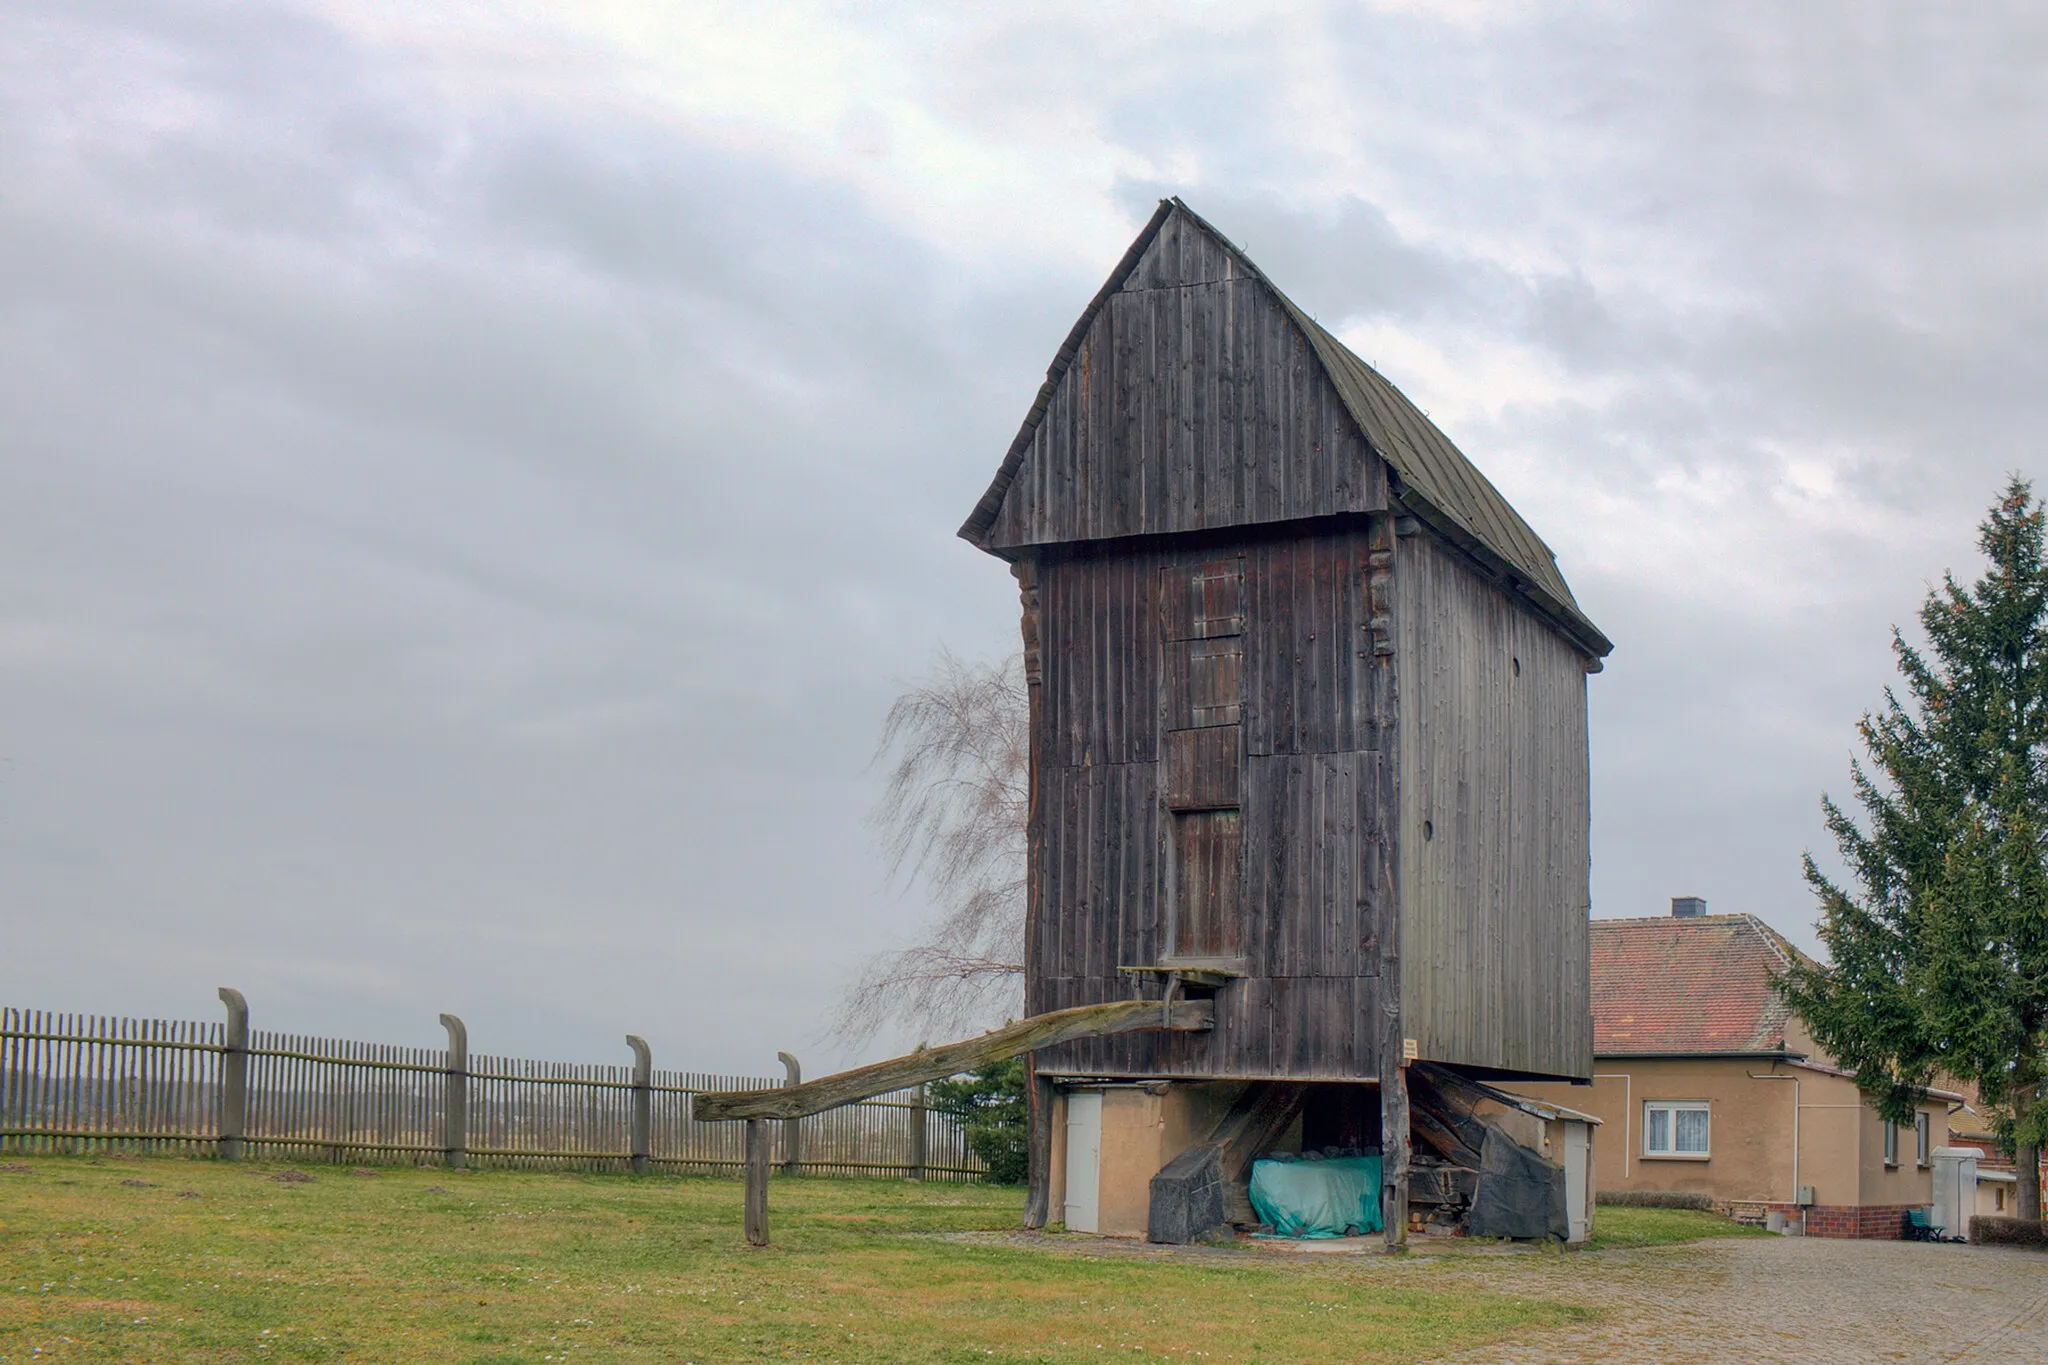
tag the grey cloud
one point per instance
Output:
(440, 597)
(463, 546)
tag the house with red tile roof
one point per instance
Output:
(1707, 1083)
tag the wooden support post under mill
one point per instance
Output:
(642, 1136)
(1307, 712)
(234, 1076)
(1038, 1149)
(1394, 1148)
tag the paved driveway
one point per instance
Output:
(1785, 1298)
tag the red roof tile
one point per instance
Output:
(1700, 984)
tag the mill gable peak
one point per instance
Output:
(1154, 420)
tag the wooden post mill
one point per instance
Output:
(1308, 824)
(1308, 745)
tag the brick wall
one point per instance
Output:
(1882, 1221)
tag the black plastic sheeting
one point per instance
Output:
(1520, 1194)
(1187, 1197)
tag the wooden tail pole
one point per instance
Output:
(937, 1063)
(926, 1064)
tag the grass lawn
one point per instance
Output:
(1616, 1225)
(145, 1260)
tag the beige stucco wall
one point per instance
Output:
(1131, 1126)
(1746, 1158)
(1908, 1182)
(1841, 1141)
(1143, 1128)
(1997, 1198)
(1833, 1120)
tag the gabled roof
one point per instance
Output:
(1670, 986)
(1432, 477)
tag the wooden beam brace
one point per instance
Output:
(1439, 1135)
(1254, 1123)
(1450, 1104)
(1258, 1118)
(937, 1063)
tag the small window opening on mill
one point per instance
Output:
(1517, 662)
(1428, 831)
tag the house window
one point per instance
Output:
(1891, 1144)
(1675, 1128)
(1923, 1140)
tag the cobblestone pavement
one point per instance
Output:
(1728, 1299)
(1784, 1298)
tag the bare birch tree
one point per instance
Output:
(951, 819)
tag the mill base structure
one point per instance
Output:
(756, 1107)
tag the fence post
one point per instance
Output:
(643, 1102)
(758, 1143)
(792, 1129)
(455, 1104)
(234, 1077)
(920, 1137)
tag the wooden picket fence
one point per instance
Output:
(78, 1083)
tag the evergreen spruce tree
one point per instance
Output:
(1940, 953)
(990, 1105)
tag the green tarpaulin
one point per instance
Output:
(1317, 1197)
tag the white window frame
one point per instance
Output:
(1674, 1108)
(1923, 1139)
(1891, 1144)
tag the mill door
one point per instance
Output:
(1084, 1158)
(1203, 613)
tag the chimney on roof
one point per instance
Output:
(1687, 907)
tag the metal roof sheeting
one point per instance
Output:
(1435, 477)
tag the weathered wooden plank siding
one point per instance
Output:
(1231, 682)
(1305, 1028)
(1190, 504)
(1494, 867)
(1193, 403)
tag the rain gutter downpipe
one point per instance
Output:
(1628, 1115)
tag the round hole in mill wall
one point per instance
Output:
(1428, 831)
(1518, 666)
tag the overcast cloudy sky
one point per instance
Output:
(473, 476)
